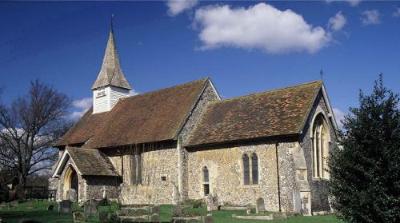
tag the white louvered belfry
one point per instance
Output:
(111, 84)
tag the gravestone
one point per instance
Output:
(50, 207)
(78, 217)
(72, 195)
(65, 206)
(155, 210)
(155, 218)
(304, 206)
(260, 206)
(208, 219)
(103, 217)
(212, 203)
(90, 207)
(248, 210)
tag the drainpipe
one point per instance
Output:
(277, 174)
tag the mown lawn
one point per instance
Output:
(37, 210)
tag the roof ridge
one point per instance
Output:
(265, 92)
(166, 88)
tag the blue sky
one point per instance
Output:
(244, 47)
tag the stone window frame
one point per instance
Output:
(246, 169)
(250, 170)
(206, 180)
(254, 170)
(320, 119)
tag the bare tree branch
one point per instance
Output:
(28, 128)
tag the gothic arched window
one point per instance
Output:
(246, 169)
(320, 148)
(254, 168)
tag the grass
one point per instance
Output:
(37, 210)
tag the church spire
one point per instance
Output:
(110, 73)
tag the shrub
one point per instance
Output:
(365, 173)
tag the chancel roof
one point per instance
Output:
(280, 112)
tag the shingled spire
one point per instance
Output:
(110, 73)
(111, 84)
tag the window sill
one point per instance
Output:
(320, 179)
(250, 185)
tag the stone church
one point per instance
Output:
(185, 142)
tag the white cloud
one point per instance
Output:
(339, 115)
(177, 6)
(261, 26)
(351, 2)
(337, 22)
(370, 17)
(80, 107)
(396, 13)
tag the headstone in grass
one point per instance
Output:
(90, 207)
(155, 218)
(65, 206)
(78, 217)
(212, 203)
(50, 207)
(208, 219)
(155, 209)
(112, 217)
(260, 206)
(103, 217)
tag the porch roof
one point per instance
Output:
(89, 162)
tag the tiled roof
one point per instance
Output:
(91, 162)
(150, 117)
(272, 113)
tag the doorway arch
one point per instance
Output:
(70, 182)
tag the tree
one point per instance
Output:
(29, 126)
(365, 170)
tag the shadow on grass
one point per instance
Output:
(36, 215)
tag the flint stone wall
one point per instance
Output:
(226, 175)
(156, 165)
(208, 95)
(95, 185)
(319, 187)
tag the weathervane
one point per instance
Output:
(112, 23)
(321, 74)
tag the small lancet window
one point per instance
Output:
(254, 168)
(206, 181)
(246, 170)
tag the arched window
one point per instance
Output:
(320, 148)
(254, 168)
(246, 169)
(206, 181)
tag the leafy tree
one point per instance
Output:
(365, 169)
(28, 128)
